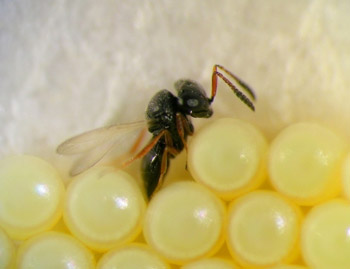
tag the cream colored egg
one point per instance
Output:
(228, 156)
(346, 177)
(211, 263)
(133, 256)
(263, 229)
(288, 266)
(31, 196)
(325, 240)
(54, 250)
(184, 221)
(104, 208)
(7, 250)
(305, 163)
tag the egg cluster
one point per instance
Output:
(249, 204)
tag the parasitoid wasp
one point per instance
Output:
(167, 118)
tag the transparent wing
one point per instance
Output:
(91, 139)
(91, 158)
(95, 144)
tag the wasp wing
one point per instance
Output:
(95, 144)
(92, 157)
(91, 139)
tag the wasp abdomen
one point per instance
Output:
(151, 167)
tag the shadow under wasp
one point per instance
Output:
(168, 121)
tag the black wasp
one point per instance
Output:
(168, 122)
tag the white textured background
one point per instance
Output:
(70, 66)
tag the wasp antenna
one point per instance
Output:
(237, 92)
(245, 100)
(243, 84)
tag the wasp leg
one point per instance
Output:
(138, 141)
(238, 93)
(169, 144)
(117, 162)
(183, 128)
(145, 150)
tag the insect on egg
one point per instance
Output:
(168, 120)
